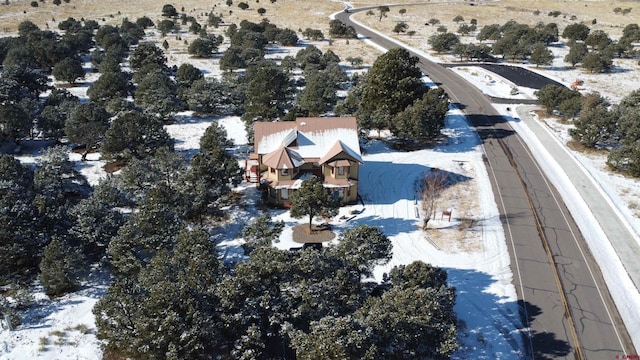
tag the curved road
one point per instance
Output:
(564, 302)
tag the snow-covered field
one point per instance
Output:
(477, 264)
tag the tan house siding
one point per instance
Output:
(289, 152)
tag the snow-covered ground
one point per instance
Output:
(477, 263)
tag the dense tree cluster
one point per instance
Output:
(278, 303)
(171, 296)
(393, 96)
(340, 30)
(625, 156)
(593, 50)
(599, 124)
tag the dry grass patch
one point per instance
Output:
(293, 14)
(302, 235)
(461, 233)
(577, 146)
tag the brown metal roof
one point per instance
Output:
(282, 158)
(262, 129)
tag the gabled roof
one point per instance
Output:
(311, 138)
(340, 148)
(282, 158)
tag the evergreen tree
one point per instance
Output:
(145, 54)
(363, 248)
(134, 134)
(311, 58)
(211, 174)
(60, 267)
(187, 74)
(552, 97)
(319, 93)
(24, 81)
(340, 30)
(254, 302)
(20, 240)
(286, 37)
(56, 109)
(157, 93)
(14, 122)
(55, 181)
(117, 315)
(489, 32)
(161, 172)
(576, 54)
(109, 86)
(597, 63)
(541, 55)
(411, 323)
(393, 83)
(203, 47)
(334, 338)
(209, 97)
(598, 40)
(170, 310)
(232, 59)
(443, 42)
(95, 223)
(147, 232)
(596, 123)
(86, 125)
(423, 119)
(417, 274)
(626, 157)
(267, 92)
(576, 32)
(260, 232)
(68, 69)
(313, 199)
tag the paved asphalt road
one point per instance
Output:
(547, 250)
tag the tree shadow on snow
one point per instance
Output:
(389, 226)
(385, 183)
(490, 326)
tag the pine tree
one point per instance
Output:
(20, 240)
(86, 126)
(363, 248)
(134, 134)
(170, 310)
(393, 83)
(211, 174)
(313, 199)
(423, 119)
(267, 93)
(55, 180)
(68, 69)
(541, 55)
(260, 232)
(60, 267)
(411, 323)
(95, 223)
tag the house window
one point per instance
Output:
(284, 194)
(284, 172)
(272, 170)
(340, 170)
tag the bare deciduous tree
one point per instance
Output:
(433, 183)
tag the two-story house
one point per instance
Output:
(288, 152)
